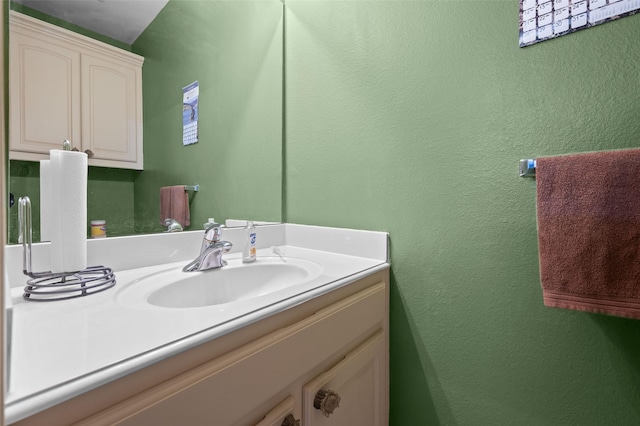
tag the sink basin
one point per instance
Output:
(235, 282)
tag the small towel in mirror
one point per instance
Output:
(174, 204)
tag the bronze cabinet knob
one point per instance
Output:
(326, 401)
(290, 421)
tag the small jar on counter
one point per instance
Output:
(98, 229)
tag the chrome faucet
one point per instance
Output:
(211, 250)
(172, 225)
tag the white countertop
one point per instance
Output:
(64, 348)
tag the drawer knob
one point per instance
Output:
(326, 401)
(290, 421)
(86, 151)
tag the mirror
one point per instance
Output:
(235, 52)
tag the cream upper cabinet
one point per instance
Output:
(44, 94)
(67, 86)
(110, 105)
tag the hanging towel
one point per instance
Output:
(174, 204)
(589, 231)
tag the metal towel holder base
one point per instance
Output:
(48, 286)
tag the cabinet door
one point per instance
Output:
(353, 393)
(111, 114)
(45, 95)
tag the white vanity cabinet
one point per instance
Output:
(68, 86)
(267, 373)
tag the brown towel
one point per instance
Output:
(589, 231)
(174, 204)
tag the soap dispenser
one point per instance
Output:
(249, 247)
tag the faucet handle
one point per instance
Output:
(172, 225)
(210, 224)
(212, 231)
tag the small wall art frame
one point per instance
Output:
(542, 20)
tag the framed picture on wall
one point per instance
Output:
(542, 20)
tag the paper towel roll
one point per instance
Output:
(46, 200)
(68, 231)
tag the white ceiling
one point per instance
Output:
(122, 20)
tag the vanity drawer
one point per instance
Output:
(225, 389)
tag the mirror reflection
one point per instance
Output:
(234, 51)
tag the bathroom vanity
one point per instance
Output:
(313, 350)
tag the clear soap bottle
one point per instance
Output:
(249, 247)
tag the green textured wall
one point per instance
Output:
(234, 50)
(68, 25)
(109, 197)
(410, 117)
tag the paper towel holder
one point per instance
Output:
(47, 286)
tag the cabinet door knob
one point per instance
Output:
(290, 421)
(88, 152)
(326, 401)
